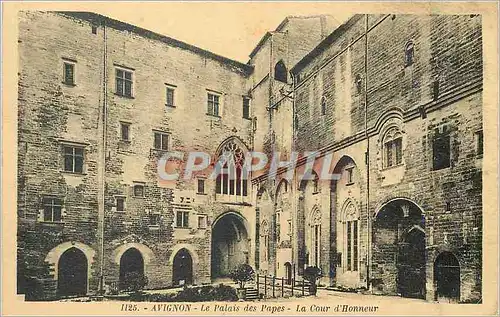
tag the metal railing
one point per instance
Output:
(273, 286)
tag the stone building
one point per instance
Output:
(395, 98)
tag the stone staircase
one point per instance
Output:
(252, 294)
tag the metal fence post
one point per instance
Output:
(293, 285)
(265, 286)
(303, 288)
(282, 287)
(257, 283)
(274, 283)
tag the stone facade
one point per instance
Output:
(89, 146)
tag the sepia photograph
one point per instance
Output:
(288, 158)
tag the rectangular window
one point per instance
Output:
(355, 246)
(202, 221)
(52, 209)
(213, 104)
(69, 73)
(479, 143)
(441, 151)
(125, 131)
(73, 159)
(124, 82)
(393, 152)
(182, 219)
(154, 219)
(349, 246)
(290, 227)
(138, 190)
(349, 172)
(246, 107)
(161, 141)
(120, 203)
(201, 186)
(169, 98)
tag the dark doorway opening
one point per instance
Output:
(411, 265)
(131, 268)
(183, 268)
(72, 273)
(447, 277)
(229, 245)
(288, 273)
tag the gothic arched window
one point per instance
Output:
(280, 72)
(409, 53)
(314, 226)
(393, 147)
(232, 183)
(350, 224)
(323, 105)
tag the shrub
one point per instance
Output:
(312, 274)
(242, 274)
(225, 293)
(134, 281)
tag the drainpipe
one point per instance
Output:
(102, 166)
(368, 217)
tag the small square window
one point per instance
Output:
(169, 97)
(201, 186)
(161, 141)
(124, 83)
(125, 131)
(202, 221)
(69, 73)
(120, 203)
(73, 159)
(52, 209)
(154, 219)
(182, 219)
(138, 190)
(213, 104)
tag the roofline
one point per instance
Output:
(120, 25)
(325, 43)
(280, 27)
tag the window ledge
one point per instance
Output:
(204, 194)
(170, 106)
(247, 118)
(127, 142)
(124, 96)
(68, 84)
(120, 211)
(350, 184)
(392, 167)
(73, 173)
(315, 193)
(51, 223)
(213, 115)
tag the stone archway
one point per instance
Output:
(230, 245)
(72, 274)
(399, 255)
(182, 268)
(131, 267)
(447, 277)
(288, 273)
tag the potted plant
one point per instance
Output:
(242, 274)
(312, 274)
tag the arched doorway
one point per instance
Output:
(183, 268)
(72, 273)
(399, 249)
(229, 244)
(411, 264)
(447, 277)
(131, 267)
(288, 273)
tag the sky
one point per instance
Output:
(228, 29)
